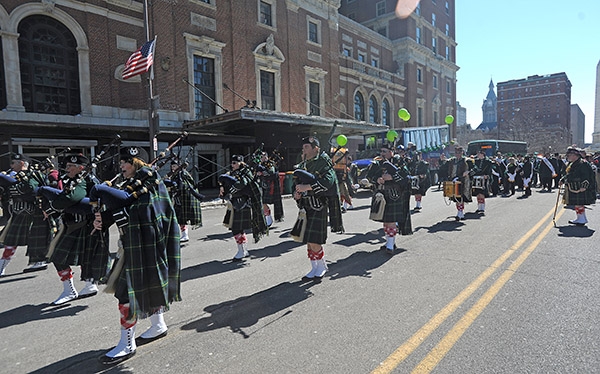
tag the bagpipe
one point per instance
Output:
(165, 156)
(184, 183)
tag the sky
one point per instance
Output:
(513, 39)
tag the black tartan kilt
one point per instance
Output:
(316, 226)
(70, 246)
(395, 210)
(18, 230)
(242, 220)
(40, 236)
(96, 256)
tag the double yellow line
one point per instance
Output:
(447, 342)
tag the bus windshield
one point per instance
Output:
(491, 147)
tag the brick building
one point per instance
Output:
(536, 109)
(259, 71)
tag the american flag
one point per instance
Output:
(140, 61)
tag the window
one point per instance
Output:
(314, 31)
(265, 15)
(419, 76)
(447, 8)
(267, 90)
(435, 83)
(420, 117)
(433, 19)
(362, 57)
(49, 67)
(447, 53)
(3, 101)
(380, 8)
(418, 9)
(314, 98)
(448, 89)
(385, 112)
(374, 62)
(204, 80)
(347, 52)
(382, 31)
(359, 104)
(434, 45)
(435, 118)
(419, 35)
(447, 30)
(373, 110)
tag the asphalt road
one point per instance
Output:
(507, 292)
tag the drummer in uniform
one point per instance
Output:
(458, 171)
(580, 185)
(482, 174)
(391, 176)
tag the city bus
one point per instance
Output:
(491, 147)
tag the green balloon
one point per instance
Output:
(341, 140)
(449, 119)
(403, 114)
(391, 135)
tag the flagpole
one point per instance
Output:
(151, 110)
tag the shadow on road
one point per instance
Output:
(359, 264)
(82, 363)
(447, 226)
(246, 311)
(29, 312)
(575, 231)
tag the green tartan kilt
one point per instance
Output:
(242, 220)
(586, 197)
(70, 246)
(398, 210)
(18, 230)
(40, 236)
(96, 256)
(316, 226)
(189, 210)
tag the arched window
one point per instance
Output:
(359, 105)
(49, 67)
(373, 110)
(385, 112)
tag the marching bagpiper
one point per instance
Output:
(244, 210)
(391, 199)
(419, 169)
(580, 185)
(146, 277)
(20, 182)
(186, 199)
(73, 245)
(268, 174)
(316, 193)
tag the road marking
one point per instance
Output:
(400, 354)
(448, 341)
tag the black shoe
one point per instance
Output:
(80, 296)
(105, 360)
(141, 341)
(457, 218)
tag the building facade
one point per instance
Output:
(536, 109)
(489, 110)
(234, 75)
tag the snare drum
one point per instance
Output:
(479, 182)
(414, 182)
(452, 189)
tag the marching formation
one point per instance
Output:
(65, 219)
